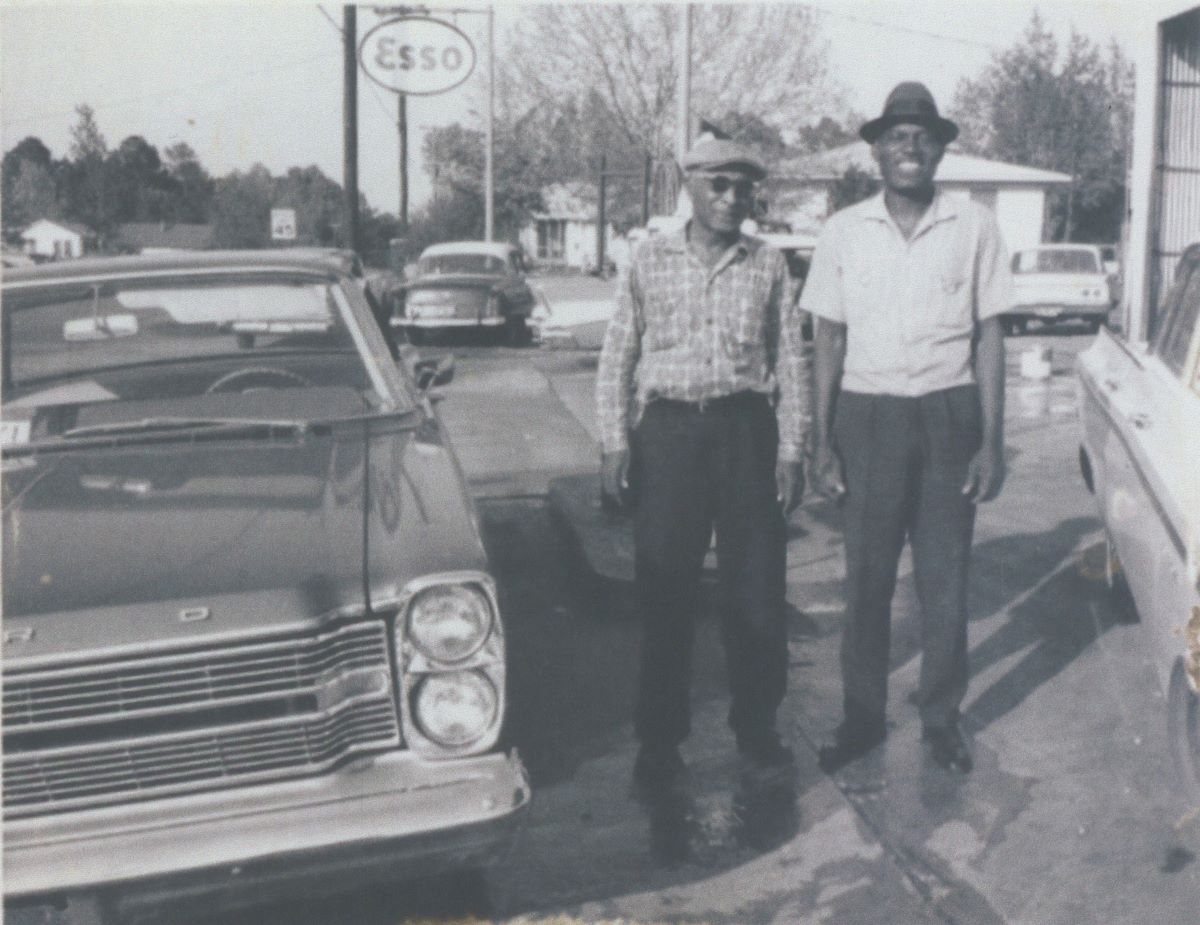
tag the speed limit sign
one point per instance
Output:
(283, 224)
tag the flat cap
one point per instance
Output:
(714, 153)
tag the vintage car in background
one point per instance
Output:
(250, 636)
(467, 284)
(1140, 414)
(1059, 282)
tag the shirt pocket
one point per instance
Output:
(863, 287)
(950, 297)
(666, 322)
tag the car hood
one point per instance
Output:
(131, 549)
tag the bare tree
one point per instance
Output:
(762, 59)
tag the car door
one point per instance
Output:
(1150, 458)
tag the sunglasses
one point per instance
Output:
(742, 188)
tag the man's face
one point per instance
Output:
(721, 199)
(908, 156)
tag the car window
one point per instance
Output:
(459, 263)
(1179, 323)
(1041, 260)
(179, 341)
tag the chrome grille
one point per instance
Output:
(164, 725)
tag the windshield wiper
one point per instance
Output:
(161, 424)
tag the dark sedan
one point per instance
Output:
(250, 635)
(477, 285)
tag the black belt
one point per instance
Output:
(735, 402)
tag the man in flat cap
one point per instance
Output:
(906, 289)
(703, 404)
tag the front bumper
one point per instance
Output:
(393, 815)
(1060, 310)
(490, 321)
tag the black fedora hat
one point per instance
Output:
(910, 102)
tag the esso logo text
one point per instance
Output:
(417, 55)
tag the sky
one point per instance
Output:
(262, 81)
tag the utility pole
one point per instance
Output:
(489, 194)
(350, 125)
(601, 218)
(683, 117)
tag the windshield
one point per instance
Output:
(459, 263)
(102, 356)
(1055, 261)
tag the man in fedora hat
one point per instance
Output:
(907, 288)
(703, 406)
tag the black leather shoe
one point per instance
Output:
(949, 749)
(849, 744)
(658, 767)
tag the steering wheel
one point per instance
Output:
(256, 378)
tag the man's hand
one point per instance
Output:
(614, 476)
(828, 480)
(789, 484)
(985, 474)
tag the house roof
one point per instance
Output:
(82, 230)
(956, 167)
(175, 235)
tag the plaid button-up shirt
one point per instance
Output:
(685, 331)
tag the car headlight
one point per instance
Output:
(448, 623)
(455, 708)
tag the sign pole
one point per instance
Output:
(402, 131)
(489, 194)
(683, 117)
(350, 125)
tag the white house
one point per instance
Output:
(800, 190)
(56, 240)
(564, 234)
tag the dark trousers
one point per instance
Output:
(694, 470)
(905, 462)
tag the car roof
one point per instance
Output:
(301, 260)
(492, 248)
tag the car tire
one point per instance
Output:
(1183, 730)
(1093, 325)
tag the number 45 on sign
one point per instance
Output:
(283, 224)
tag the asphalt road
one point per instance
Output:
(1072, 815)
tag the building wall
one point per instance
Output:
(579, 243)
(1019, 211)
(48, 240)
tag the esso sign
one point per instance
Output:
(417, 55)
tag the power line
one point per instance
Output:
(892, 27)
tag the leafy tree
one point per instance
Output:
(32, 196)
(84, 183)
(32, 158)
(139, 187)
(194, 188)
(828, 133)
(1067, 111)
(242, 209)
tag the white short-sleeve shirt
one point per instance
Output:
(910, 306)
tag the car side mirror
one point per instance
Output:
(433, 371)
